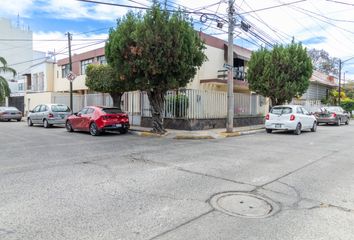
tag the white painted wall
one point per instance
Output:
(18, 54)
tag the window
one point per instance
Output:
(36, 109)
(83, 111)
(60, 108)
(90, 110)
(65, 69)
(101, 60)
(305, 111)
(281, 110)
(84, 65)
(21, 86)
(299, 110)
(44, 108)
(111, 110)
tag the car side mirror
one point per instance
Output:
(31, 111)
(78, 114)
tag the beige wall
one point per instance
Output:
(62, 84)
(50, 76)
(34, 99)
(209, 69)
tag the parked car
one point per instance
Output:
(290, 118)
(9, 113)
(332, 114)
(97, 120)
(48, 115)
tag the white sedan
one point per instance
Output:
(290, 118)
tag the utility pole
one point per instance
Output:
(230, 62)
(70, 70)
(339, 82)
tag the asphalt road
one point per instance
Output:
(60, 185)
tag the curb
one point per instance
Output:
(193, 136)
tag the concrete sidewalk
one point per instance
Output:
(200, 134)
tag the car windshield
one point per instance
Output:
(60, 108)
(111, 110)
(281, 110)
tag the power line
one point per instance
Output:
(344, 3)
(32, 60)
(46, 40)
(271, 7)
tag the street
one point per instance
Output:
(60, 185)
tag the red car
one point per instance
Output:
(97, 120)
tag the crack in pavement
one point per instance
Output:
(181, 225)
(298, 169)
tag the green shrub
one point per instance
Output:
(347, 105)
(177, 106)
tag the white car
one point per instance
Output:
(290, 118)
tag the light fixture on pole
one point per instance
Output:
(340, 73)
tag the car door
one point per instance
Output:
(86, 119)
(42, 113)
(300, 116)
(308, 118)
(343, 116)
(34, 114)
(78, 119)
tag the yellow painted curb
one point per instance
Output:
(149, 134)
(232, 134)
(193, 137)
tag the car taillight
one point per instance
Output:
(267, 116)
(50, 115)
(292, 117)
(334, 115)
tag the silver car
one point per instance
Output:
(9, 113)
(48, 115)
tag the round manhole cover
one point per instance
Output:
(243, 205)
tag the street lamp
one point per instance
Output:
(340, 72)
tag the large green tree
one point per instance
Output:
(158, 51)
(4, 86)
(280, 73)
(103, 78)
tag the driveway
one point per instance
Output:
(60, 185)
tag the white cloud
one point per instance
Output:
(61, 46)
(10, 8)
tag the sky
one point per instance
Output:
(320, 24)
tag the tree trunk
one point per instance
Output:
(157, 99)
(116, 97)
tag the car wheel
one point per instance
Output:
(269, 130)
(339, 122)
(298, 129)
(19, 120)
(314, 127)
(29, 122)
(8, 120)
(347, 122)
(68, 126)
(94, 130)
(45, 123)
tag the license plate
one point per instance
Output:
(277, 125)
(118, 125)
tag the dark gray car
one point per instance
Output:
(332, 114)
(10, 113)
(48, 115)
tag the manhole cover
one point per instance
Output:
(243, 205)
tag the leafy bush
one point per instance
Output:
(177, 106)
(347, 105)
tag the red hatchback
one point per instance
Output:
(97, 120)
